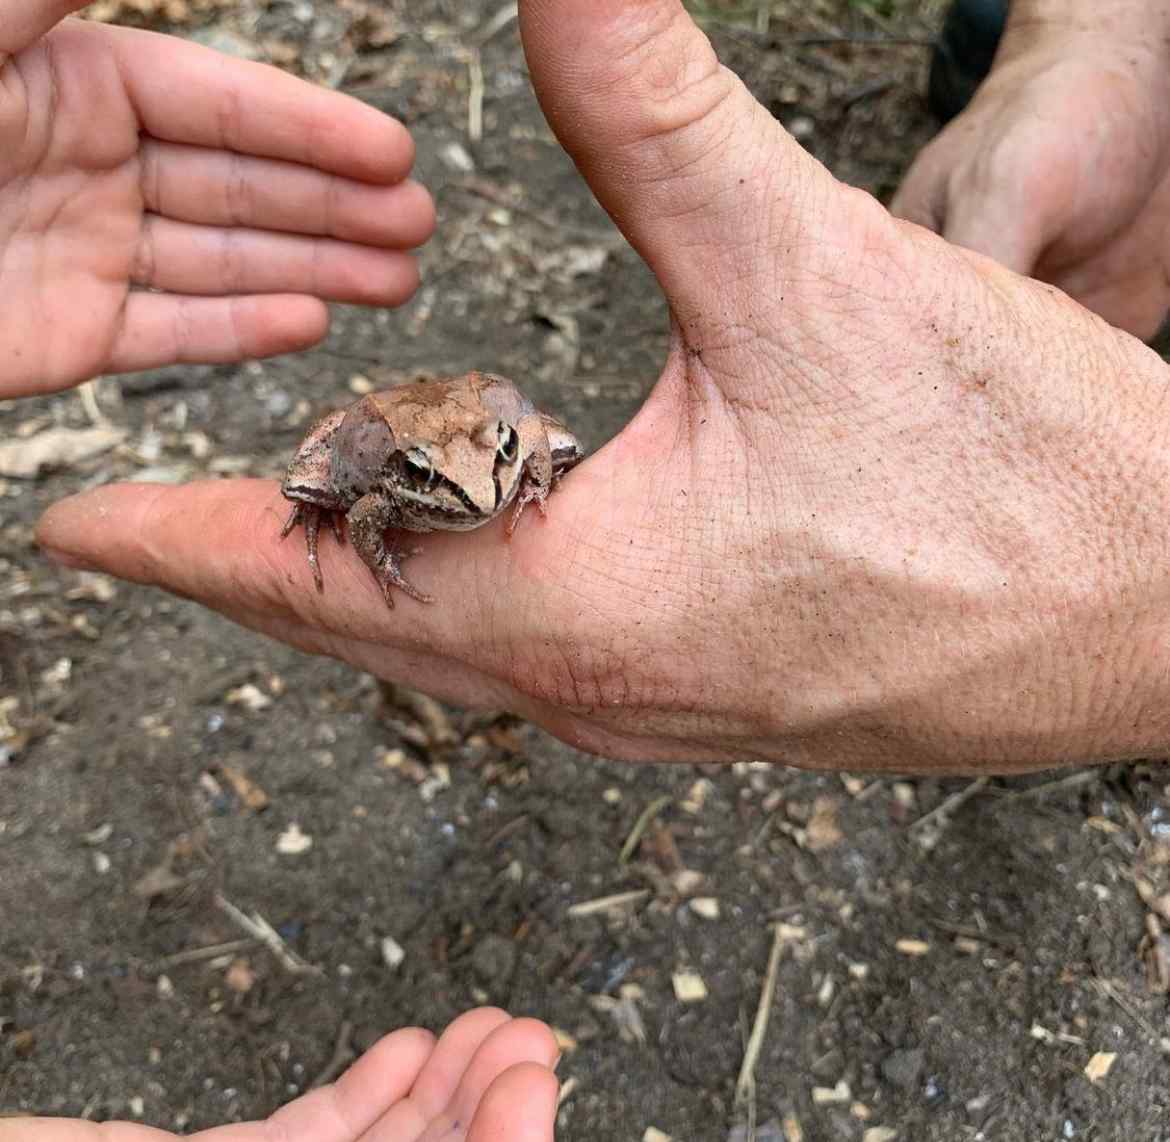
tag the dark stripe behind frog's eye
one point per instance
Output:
(509, 443)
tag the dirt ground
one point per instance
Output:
(965, 975)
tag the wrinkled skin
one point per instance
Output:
(889, 506)
(1060, 166)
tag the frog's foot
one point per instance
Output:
(530, 492)
(310, 516)
(390, 577)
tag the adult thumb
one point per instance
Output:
(23, 22)
(691, 168)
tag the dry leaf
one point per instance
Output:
(56, 448)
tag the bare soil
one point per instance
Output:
(946, 981)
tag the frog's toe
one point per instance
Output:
(292, 521)
(391, 578)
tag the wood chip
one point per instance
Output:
(566, 1044)
(653, 1134)
(245, 788)
(880, 1134)
(250, 696)
(689, 987)
(292, 842)
(826, 1095)
(617, 901)
(822, 831)
(909, 947)
(1100, 1065)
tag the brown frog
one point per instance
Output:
(440, 455)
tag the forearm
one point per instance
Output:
(1142, 26)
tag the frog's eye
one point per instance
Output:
(509, 443)
(419, 468)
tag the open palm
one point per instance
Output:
(161, 203)
(487, 1077)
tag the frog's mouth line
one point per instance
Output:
(422, 500)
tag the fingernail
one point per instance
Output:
(67, 559)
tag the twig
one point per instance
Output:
(481, 188)
(475, 96)
(505, 831)
(343, 1055)
(939, 813)
(745, 1085)
(1105, 987)
(994, 938)
(605, 903)
(497, 23)
(763, 16)
(1073, 781)
(644, 818)
(211, 952)
(259, 929)
(88, 394)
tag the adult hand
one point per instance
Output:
(890, 505)
(243, 197)
(1060, 165)
(488, 1077)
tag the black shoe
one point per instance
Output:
(962, 57)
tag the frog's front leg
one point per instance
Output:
(310, 515)
(536, 481)
(368, 521)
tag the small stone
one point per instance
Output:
(653, 1134)
(240, 977)
(393, 953)
(455, 157)
(705, 906)
(880, 1134)
(903, 1068)
(137, 1105)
